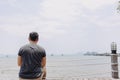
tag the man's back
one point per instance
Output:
(31, 55)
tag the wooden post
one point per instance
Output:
(114, 61)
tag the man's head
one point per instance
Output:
(33, 36)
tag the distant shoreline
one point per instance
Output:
(99, 54)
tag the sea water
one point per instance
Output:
(59, 67)
(79, 66)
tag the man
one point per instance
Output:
(32, 60)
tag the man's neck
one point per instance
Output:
(33, 42)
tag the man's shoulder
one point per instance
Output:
(41, 48)
(25, 46)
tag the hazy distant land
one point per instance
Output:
(98, 54)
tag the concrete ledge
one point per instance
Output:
(77, 78)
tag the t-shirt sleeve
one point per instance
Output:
(44, 53)
(20, 52)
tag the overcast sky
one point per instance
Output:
(65, 26)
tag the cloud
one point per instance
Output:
(95, 4)
(62, 10)
(56, 17)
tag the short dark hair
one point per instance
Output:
(33, 36)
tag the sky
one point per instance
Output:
(64, 26)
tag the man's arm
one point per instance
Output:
(43, 63)
(19, 61)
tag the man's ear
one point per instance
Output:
(29, 39)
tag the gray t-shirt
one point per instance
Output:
(32, 55)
